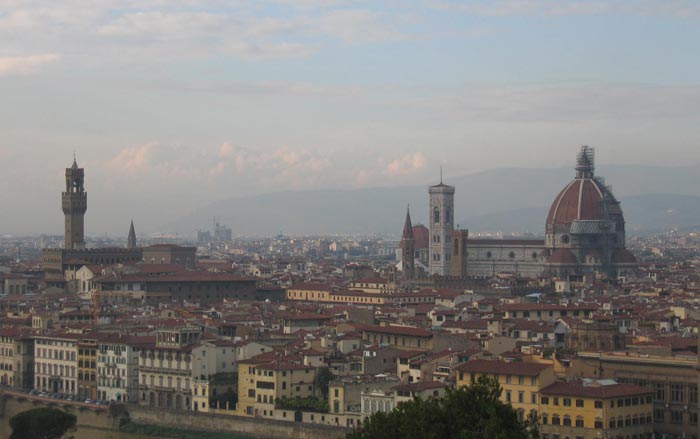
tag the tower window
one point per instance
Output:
(511, 255)
(436, 216)
(448, 216)
(488, 255)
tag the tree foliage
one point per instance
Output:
(474, 412)
(41, 423)
(322, 380)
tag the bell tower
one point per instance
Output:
(441, 226)
(74, 202)
(408, 249)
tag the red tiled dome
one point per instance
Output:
(623, 256)
(421, 236)
(579, 200)
(562, 256)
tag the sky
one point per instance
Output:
(170, 105)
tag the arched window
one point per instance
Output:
(436, 216)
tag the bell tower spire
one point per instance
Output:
(131, 241)
(408, 249)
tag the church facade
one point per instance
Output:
(584, 235)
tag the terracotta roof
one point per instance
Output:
(421, 236)
(503, 368)
(623, 256)
(396, 330)
(594, 390)
(579, 200)
(562, 256)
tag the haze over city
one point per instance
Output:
(172, 106)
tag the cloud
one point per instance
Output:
(358, 26)
(24, 65)
(673, 8)
(133, 159)
(406, 164)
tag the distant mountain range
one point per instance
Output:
(505, 200)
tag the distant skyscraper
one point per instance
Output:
(74, 201)
(131, 241)
(441, 226)
(408, 249)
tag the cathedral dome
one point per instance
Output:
(586, 198)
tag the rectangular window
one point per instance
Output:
(579, 403)
(693, 393)
(567, 402)
(579, 422)
(660, 391)
(544, 400)
(676, 417)
(508, 395)
(599, 404)
(677, 392)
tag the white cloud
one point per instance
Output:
(23, 65)
(674, 8)
(406, 164)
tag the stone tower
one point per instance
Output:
(74, 201)
(408, 249)
(441, 226)
(131, 241)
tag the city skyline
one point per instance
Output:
(182, 105)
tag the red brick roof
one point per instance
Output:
(579, 200)
(396, 330)
(503, 368)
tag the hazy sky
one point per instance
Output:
(172, 104)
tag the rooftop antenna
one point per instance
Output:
(440, 174)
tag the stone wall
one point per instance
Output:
(90, 417)
(267, 429)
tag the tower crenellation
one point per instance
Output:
(74, 203)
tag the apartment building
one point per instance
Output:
(264, 379)
(16, 357)
(590, 409)
(166, 367)
(117, 366)
(521, 382)
(56, 362)
(87, 368)
(673, 381)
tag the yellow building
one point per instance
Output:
(521, 382)
(16, 357)
(590, 409)
(87, 369)
(264, 379)
(323, 293)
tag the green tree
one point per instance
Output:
(474, 412)
(41, 423)
(323, 377)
